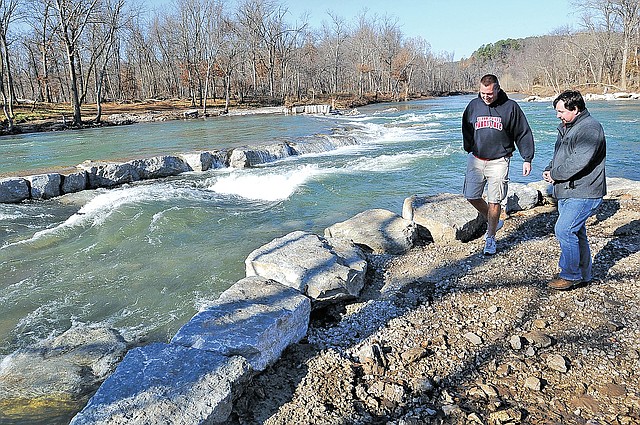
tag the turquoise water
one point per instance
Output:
(144, 258)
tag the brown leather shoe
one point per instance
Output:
(562, 284)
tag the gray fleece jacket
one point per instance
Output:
(578, 164)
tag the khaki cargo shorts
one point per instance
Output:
(493, 172)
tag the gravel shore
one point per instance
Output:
(444, 334)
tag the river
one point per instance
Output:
(143, 258)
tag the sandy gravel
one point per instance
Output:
(444, 334)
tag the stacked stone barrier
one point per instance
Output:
(105, 174)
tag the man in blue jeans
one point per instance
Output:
(577, 172)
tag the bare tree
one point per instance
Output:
(73, 17)
(628, 14)
(106, 30)
(8, 15)
(215, 27)
(185, 52)
(40, 21)
(263, 26)
(336, 33)
(228, 57)
(608, 19)
(388, 45)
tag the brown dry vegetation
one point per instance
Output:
(35, 117)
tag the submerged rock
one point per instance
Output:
(68, 366)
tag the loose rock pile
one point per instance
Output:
(446, 335)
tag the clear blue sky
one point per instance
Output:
(454, 26)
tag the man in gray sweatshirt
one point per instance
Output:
(577, 172)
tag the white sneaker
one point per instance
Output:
(489, 246)
(498, 227)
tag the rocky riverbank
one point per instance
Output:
(437, 333)
(443, 334)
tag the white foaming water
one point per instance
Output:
(10, 216)
(400, 161)
(270, 186)
(102, 206)
(379, 133)
(443, 115)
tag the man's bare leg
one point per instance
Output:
(490, 211)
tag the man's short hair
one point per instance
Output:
(572, 99)
(489, 79)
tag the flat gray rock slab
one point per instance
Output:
(326, 270)
(255, 318)
(167, 384)
(448, 217)
(379, 231)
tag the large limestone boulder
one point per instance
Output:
(45, 186)
(74, 182)
(203, 161)
(254, 155)
(446, 216)
(63, 368)
(159, 166)
(319, 143)
(521, 197)
(168, 384)
(109, 174)
(13, 190)
(323, 269)
(255, 318)
(377, 230)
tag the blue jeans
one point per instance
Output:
(571, 231)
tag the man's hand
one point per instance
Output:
(546, 175)
(526, 168)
